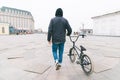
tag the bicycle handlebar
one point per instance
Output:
(77, 37)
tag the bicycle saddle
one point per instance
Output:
(82, 48)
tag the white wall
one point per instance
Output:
(107, 25)
(6, 28)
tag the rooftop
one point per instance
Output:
(106, 14)
(19, 11)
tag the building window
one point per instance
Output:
(6, 10)
(3, 30)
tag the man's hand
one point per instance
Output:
(50, 42)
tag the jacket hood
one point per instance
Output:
(59, 12)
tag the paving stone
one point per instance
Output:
(29, 57)
(37, 68)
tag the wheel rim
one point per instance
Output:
(72, 55)
(86, 64)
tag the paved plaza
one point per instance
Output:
(29, 57)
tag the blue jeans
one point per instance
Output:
(57, 50)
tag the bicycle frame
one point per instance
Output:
(80, 53)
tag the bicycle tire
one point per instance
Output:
(86, 64)
(72, 54)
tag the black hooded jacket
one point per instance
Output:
(57, 28)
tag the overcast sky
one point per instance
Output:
(77, 12)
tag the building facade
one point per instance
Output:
(20, 21)
(107, 24)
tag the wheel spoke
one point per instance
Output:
(72, 55)
(86, 64)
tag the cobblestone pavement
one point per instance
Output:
(29, 57)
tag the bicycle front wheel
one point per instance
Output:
(72, 54)
(86, 64)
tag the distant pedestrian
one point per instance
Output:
(57, 35)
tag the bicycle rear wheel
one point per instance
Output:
(72, 54)
(86, 64)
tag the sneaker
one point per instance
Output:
(58, 66)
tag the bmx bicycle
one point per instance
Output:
(83, 59)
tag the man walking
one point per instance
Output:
(57, 35)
